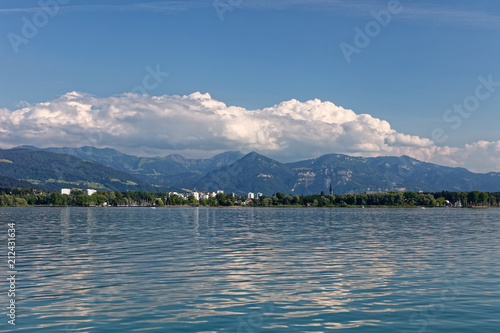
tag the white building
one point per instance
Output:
(220, 191)
(251, 195)
(259, 195)
(196, 195)
(66, 191)
(91, 191)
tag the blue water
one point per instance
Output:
(254, 270)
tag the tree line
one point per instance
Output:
(16, 197)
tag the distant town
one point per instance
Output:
(19, 197)
(186, 196)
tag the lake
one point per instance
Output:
(254, 270)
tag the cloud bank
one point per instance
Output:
(198, 125)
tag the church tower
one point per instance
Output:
(331, 189)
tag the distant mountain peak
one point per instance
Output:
(254, 154)
(230, 153)
(233, 171)
(177, 158)
(27, 147)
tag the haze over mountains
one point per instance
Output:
(109, 169)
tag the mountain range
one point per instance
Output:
(109, 169)
(169, 171)
(47, 170)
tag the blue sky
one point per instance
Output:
(427, 58)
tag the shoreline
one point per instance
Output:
(243, 206)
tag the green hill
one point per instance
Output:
(171, 171)
(55, 171)
(14, 183)
(252, 173)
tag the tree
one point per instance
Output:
(426, 200)
(81, 200)
(119, 197)
(221, 198)
(483, 198)
(361, 199)
(192, 200)
(98, 198)
(57, 199)
(410, 197)
(287, 200)
(20, 202)
(441, 201)
(266, 202)
(473, 197)
(111, 197)
(463, 196)
(351, 199)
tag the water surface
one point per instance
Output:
(255, 270)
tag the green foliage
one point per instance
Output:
(266, 202)
(98, 198)
(224, 199)
(28, 197)
(426, 200)
(483, 198)
(440, 201)
(410, 197)
(14, 183)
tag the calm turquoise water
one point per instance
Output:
(254, 270)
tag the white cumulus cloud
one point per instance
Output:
(198, 124)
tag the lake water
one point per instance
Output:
(254, 270)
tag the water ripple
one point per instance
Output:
(252, 270)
